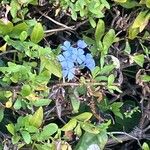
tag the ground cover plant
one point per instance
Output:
(74, 74)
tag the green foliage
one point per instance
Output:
(86, 9)
(35, 98)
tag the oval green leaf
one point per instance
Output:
(37, 33)
(37, 118)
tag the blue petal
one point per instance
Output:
(61, 57)
(66, 54)
(89, 61)
(71, 73)
(81, 59)
(67, 44)
(89, 56)
(65, 73)
(81, 44)
(75, 51)
(80, 51)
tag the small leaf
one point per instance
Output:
(145, 146)
(23, 36)
(42, 102)
(106, 69)
(120, 1)
(8, 104)
(133, 32)
(26, 136)
(92, 22)
(15, 139)
(75, 104)
(26, 90)
(78, 130)
(11, 128)
(18, 29)
(100, 29)
(84, 116)
(140, 19)
(48, 130)
(15, 6)
(111, 79)
(70, 125)
(17, 104)
(145, 78)
(37, 34)
(139, 59)
(5, 26)
(37, 118)
(148, 3)
(127, 48)
(108, 40)
(1, 114)
(3, 48)
(88, 127)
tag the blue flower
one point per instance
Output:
(78, 55)
(66, 46)
(65, 60)
(74, 57)
(81, 44)
(89, 61)
(69, 72)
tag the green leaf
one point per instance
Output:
(15, 6)
(75, 104)
(127, 48)
(1, 114)
(5, 26)
(115, 108)
(23, 36)
(92, 22)
(140, 20)
(84, 116)
(145, 78)
(18, 29)
(52, 65)
(86, 141)
(17, 104)
(106, 4)
(11, 128)
(145, 146)
(102, 138)
(88, 127)
(120, 1)
(106, 69)
(37, 33)
(37, 118)
(48, 130)
(108, 40)
(139, 59)
(70, 125)
(148, 3)
(26, 90)
(78, 130)
(130, 4)
(32, 129)
(15, 139)
(111, 79)
(26, 136)
(42, 102)
(133, 32)
(100, 30)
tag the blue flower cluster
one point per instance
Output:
(74, 57)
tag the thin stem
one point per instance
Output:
(10, 51)
(54, 21)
